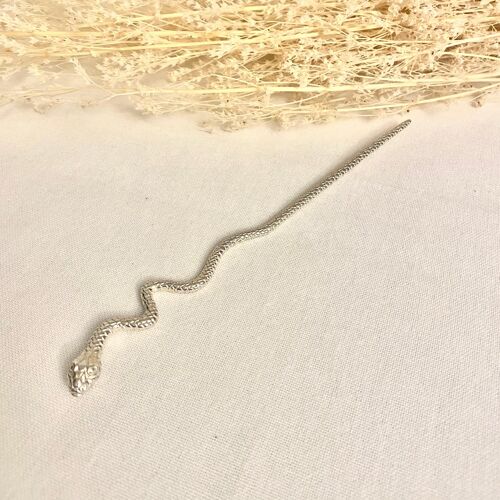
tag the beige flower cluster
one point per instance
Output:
(238, 62)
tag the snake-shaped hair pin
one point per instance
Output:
(86, 368)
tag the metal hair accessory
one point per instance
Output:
(86, 368)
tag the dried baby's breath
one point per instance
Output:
(240, 62)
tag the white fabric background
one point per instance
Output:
(354, 353)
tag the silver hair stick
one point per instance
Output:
(86, 368)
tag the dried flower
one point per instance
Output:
(289, 61)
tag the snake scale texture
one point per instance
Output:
(86, 368)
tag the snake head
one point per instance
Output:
(84, 371)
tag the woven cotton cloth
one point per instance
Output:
(353, 353)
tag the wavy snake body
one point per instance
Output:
(86, 368)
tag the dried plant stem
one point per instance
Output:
(288, 61)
